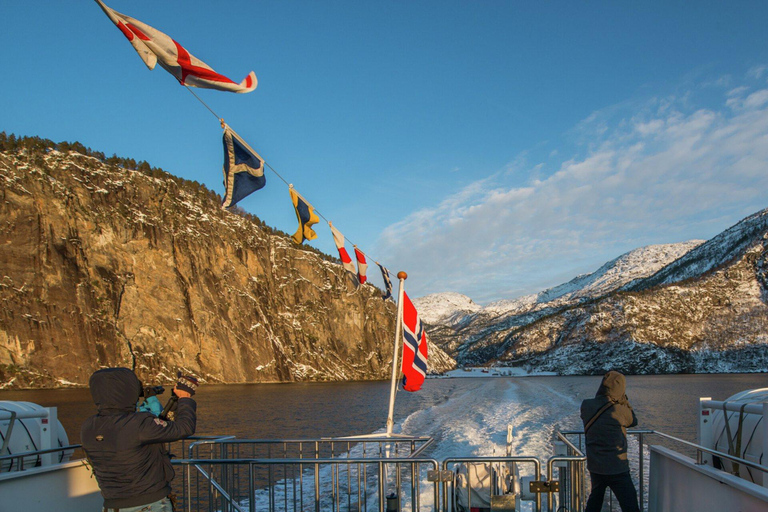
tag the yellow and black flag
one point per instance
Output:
(305, 214)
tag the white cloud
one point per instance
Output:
(756, 99)
(659, 173)
(758, 71)
(737, 91)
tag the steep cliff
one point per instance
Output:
(104, 266)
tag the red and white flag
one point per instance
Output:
(156, 47)
(362, 266)
(414, 347)
(338, 239)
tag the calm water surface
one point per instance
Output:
(306, 410)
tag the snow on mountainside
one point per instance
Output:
(453, 308)
(690, 307)
(636, 264)
(724, 247)
(444, 307)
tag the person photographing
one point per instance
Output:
(606, 419)
(125, 447)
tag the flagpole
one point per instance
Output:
(395, 354)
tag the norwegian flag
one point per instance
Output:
(414, 347)
(156, 47)
(362, 266)
(338, 239)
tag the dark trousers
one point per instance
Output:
(622, 487)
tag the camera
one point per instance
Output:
(148, 391)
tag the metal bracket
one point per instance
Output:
(439, 476)
(543, 486)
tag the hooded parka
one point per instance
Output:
(125, 447)
(606, 438)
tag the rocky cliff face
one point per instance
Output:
(704, 311)
(103, 266)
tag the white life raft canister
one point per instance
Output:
(741, 435)
(29, 424)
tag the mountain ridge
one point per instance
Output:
(562, 334)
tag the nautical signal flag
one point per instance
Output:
(156, 47)
(305, 214)
(243, 169)
(387, 281)
(414, 347)
(362, 266)
(338, 239)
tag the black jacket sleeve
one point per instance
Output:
(155, 430)
(628, 418)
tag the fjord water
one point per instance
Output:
(465, 415)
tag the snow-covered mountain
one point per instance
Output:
(637, 264)
(458, 321)
(703, 307)
(454, 308)
(449, 307)
(725, 247)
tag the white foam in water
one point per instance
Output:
(472, 421)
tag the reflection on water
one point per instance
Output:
(307, 410)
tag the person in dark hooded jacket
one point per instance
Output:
(125, 447)
(606, 418)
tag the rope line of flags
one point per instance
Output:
(243, 171)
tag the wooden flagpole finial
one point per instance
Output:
(402, 275)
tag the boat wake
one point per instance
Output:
(474, 420)
(470, 421)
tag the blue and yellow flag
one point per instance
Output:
(305, 214)
(387, 282)
(243, 169)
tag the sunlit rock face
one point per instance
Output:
(690, 307)
(103, 266)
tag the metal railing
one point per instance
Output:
(31, 459)
(642, 462)
(498, 465)
(293, 472)
(356, 474)
(366, 446)
(374, 473)
(327, 484)
(572, 482)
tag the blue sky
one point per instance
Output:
(490, 148)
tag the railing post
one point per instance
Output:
(382, 488)
(414, 480)
(223, 474)
(317, 478)
(251, 487)
(317, 487)
(642, 470)
(445, 487)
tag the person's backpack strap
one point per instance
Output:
(597, 415)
